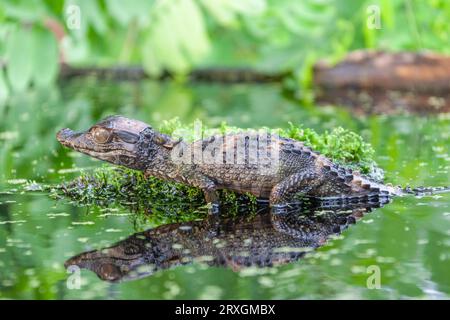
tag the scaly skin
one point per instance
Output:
(264, 240)
(267, 166)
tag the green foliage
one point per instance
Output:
(4, 89)
(177, 38)
(179, 34)
(30, 52)
(19, 65)
(286, 26)
(341, 145)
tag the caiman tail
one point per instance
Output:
(425, 191)
(366, 186)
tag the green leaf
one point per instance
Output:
(177, 37)
(150, 60)
(218, 9)
(25, 11)
(167, 46)
(197, 27)
(134, 9)
(226, 12)
(45, 57)
(181, 26)
(19, 65)
(4, 90)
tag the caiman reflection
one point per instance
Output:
(262, 240)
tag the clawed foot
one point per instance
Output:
(279, 209)
(214, 220)
(213, 209)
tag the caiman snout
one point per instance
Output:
(98, 263)
(64, 135)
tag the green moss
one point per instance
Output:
(162, 201)
(156, 200)
(340, 145)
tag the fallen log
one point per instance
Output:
(382, 82)
(366, 81)
(136, 73)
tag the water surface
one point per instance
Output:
(408, 239)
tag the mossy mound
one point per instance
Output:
(157, 200)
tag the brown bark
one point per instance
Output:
(135, 73)
(381, 82)
(366, 81)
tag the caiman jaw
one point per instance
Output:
(68, 138)
(110, 264)
(79, 142)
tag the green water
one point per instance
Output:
(408, 240)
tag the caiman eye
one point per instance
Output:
(127, 136)
(101, 135)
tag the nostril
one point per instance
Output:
(72, 262)
(64, 134)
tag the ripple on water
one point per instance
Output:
(12, 221)
(16, 181)
(54, 215)
(267, 282)
(211, 292)
(83, 223)
(255, 271)
(113, 214)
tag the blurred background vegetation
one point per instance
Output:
(409, 239)
(178, 35)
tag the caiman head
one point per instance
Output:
(134, 258)
(118, 263)
(119, 140)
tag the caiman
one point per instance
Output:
(263, 164)
(262, 240)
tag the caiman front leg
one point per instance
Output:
(212, 198)
(299, 183)
(209, 189)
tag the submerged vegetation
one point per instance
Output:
(165, 201)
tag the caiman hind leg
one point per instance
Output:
(296, 184)
(294, 224)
